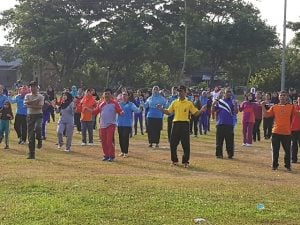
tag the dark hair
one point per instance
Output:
(108, 90)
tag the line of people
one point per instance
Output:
(125, 109)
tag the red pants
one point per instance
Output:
(108, 142)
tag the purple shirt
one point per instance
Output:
(225, 112)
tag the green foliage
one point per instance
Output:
(266, 79)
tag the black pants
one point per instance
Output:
(170, 125)
(34, 127)
(224, 132)
(77, 121)
(124, 133)
(256, 130)
(194, 124)
(21, 126)
(285, 141)
(268, 125)
(154, 128)
(180, 133)
(295, 144)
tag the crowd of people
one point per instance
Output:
(189, 112)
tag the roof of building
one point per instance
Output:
(13, 65)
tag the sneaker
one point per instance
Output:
(83, 144)
(244, 144)
(20, 141)
(58, 146)
(121, 154)
(219, 157)
(6, 147)
(110, 159)
(90, 144)
(248, 145)
(23, 142)
(186, 165)
(67, 150)
(274, 167)
(150, 146)
(125, 155)
(104, 158)
(230, 157)
(174, 164)
(156, 146)
(39, 144)
(288, 168)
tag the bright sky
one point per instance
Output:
(271, 11)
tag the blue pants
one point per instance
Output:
(4, 129)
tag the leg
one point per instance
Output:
(17, 125)
(220, 135)
(275, 141)
(84, 129)
(69, 133)
(31, 136)
(174, 141)
(23, 129)
(60, 130)
(229, 139)
(185, 142)
(110, 140)
(249, 133)
(90, 127)
(286, 144)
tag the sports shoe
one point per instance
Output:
(39, 144)
(186, 165)
(67, 150)
(121, 154)
(174, 164)
(125, 155)
(6, 147)
(150, 146)
(244, 144)
(156, 146)
(104, 158)
(110, 159)
(58, 146)
(83, 144)
(248, 145)
(90, 144)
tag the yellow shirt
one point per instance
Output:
(181, 110)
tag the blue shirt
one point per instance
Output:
(225, 112)
(151, 105)
(67, 114)
(21, 108)
(126, 119)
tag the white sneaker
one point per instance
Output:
(248, 145)
(58, 146)
(67, 150)
(90, 144)
(244, 144)
(83, 144)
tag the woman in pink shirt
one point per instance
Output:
(248, 119)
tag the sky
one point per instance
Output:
(271, 11)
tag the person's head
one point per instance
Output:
(107, 94)
(227, 93)
(125, 96)
(204, 94)
(174, 91)
(34, 86)
(139, 92)
(258, 95)
(66, 90)
(268, 96)
(7, 105)
(74, 88)
(67, 97)
(249, 97)
(182, 92)
(88, 92)
(283, 97)
(155, 90)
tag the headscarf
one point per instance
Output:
(155, 93)
(67, 101)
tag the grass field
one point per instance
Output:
(78, 188)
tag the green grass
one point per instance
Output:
(78, 188)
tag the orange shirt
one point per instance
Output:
(88, 104)
(282, 118)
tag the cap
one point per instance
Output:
(33, 83)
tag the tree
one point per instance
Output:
(51, 31)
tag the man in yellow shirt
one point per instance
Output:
(181, 108)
